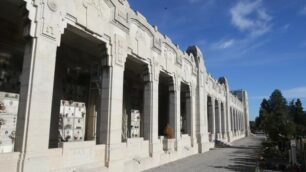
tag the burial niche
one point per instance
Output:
(77, 92)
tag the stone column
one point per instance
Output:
(113, 119)
(213, 127)
(147, 105)
(155, 146)
(189, 113)
(173, 109)
(243, 123)
(229, 122)
(219, 134)
(237, 119)
(202, 119)
(234, 121)
(192, 115)
(34, 115)
(209, 118)
(177, 114)
(105, 100)
(223, 121)
(238, 122)
(151, 116)
(236, 116)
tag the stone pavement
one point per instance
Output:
(241, 157)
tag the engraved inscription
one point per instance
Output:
(120, 51)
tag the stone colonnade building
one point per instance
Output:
(100, 89)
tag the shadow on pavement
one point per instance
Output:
(240, 157)
(244, 159)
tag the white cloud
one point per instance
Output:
(298, 92)
(251, 17)
(223, 44)
(303, 11)
(293, 93)
(285, 27)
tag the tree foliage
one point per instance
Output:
(281, 121)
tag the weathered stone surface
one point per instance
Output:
(119, 34)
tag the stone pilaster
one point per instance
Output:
(213, 119)
(173, 106)
(155, 146)
(219, 120)
(202, 120)
(113, 123)
(192, 103)
(33, 124)
(177, 113)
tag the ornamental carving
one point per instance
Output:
(179, 60)
(186, 72)
(140, 41)
(139, 35)
(52, 4)
(98, 5)
(157, 43)
(169, 55)
(155, 67)
(120, 50)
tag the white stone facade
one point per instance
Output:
(131, 55)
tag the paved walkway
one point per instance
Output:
(241, 157)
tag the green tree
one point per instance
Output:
(263, 115)
(277, 120)
(298, 117)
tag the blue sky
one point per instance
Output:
(258, 45)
